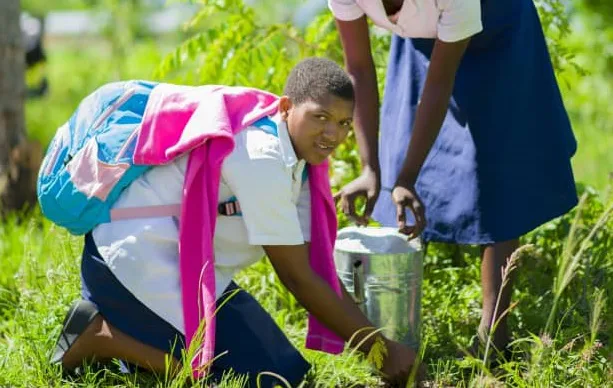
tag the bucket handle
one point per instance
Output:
(359, 292)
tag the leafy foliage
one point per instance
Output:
(556, 27)
(588, 98)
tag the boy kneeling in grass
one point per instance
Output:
(132, 281)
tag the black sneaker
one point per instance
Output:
(78, 318)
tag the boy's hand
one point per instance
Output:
(398, 364)
(366, 185)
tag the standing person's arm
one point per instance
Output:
(459, 21)
(361, 68)
(429, 118)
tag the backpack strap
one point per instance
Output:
(146, 212)
(228, 208)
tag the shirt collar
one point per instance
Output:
(287, 149)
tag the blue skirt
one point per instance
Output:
(501, 164)
(248, 337)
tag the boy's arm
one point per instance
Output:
(341, 315)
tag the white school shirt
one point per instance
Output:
(264, 175)
(447, 20)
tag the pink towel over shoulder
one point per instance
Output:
(203, 120)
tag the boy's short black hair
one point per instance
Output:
(314, 78)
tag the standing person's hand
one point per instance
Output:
(368, 186)
(405, 197)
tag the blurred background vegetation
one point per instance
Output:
(257, 42)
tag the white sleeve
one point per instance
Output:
(259, 179)
(304, 210)
(345, 10)
(460, 20)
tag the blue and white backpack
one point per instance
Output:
(103, 131)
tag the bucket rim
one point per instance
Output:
(414, 245)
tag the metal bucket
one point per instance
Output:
(384, 273)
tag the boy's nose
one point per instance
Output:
(331, 133)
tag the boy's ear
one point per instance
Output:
(285, 105)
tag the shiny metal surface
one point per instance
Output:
(384, 273)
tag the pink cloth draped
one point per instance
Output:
(203, 120)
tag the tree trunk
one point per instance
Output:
(19, 159)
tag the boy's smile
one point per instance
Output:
(317, 128)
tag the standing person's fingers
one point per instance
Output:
(337, 197)
(420, 218)
(401, 216)
(371, 199)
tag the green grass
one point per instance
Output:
(40, 277)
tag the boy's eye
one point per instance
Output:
(321, 117)
(346, 123)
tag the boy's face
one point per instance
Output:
(317, 128)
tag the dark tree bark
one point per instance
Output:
(19, 159)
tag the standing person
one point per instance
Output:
(475, 139)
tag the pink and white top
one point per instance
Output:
(447, 20)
